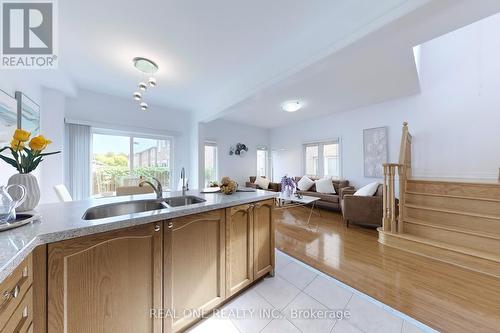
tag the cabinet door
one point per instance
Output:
(239, 248)
(106, 282)
(194, 267)
(263, 238)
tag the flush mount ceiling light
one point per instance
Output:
(291, 106)
(145, 65)
(148, 68)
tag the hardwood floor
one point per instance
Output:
(443, 296)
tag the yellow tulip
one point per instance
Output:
(39, 143)
(21, 135)
(17, 145)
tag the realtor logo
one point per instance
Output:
(28, 32)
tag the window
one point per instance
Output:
(322, 159)
(262, 162)
(121, 160)
(311, 153)
(331, 160)
(210, 162)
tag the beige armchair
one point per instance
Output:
(361, 210)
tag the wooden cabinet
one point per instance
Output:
(239, 248)
(158, 277)
(263, 238)
(106, 282)
(194, 267)
(16, 304)
(249, 244)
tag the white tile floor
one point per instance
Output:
(298, 292)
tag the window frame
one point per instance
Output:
(321, 157)
(131, 136)
(210, 143)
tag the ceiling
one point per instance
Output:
(240, 60)
(211, 54)
(376, 68)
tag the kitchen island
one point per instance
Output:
(151, 271)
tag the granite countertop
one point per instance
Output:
(61, 221)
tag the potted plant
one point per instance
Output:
(26, 156)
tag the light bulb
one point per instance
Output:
(152, 82)
(143, 86)
(144, 106)
(137, 96)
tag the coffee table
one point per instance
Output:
(284, 202)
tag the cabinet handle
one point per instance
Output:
(157, 227)
(10, 294)
(23, 320)
(170, 225)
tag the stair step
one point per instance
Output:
(448, 236)
(461, 188)
(485, 207)
(452, 229)
(453, 211)
(453, 218)
(477, 261)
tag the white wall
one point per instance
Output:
(52, 126)
(106, 111)
(455, 120)
(227, 134)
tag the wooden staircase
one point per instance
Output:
(455, 221)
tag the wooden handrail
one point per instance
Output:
(403, 170)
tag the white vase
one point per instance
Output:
(32, 190)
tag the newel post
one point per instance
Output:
(385, 220)
(392, 196)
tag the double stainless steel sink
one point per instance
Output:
(139, 206)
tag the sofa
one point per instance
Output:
(274, 187)
(366, 211)
(327, 200)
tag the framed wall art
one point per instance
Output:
(28, 114)
(374, 151)
(8, 118)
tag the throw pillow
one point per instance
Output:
(262, 182)
(368, 190)
(324, 186)
(305, 183)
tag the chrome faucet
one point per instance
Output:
(158, 189)
(183, 177)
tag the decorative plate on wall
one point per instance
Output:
(240, 150)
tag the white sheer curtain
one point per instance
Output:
(78, 139)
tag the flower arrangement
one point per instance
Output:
(25, 159)
(228, 186)
(287, 185)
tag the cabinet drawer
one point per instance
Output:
(13, 288)
(21, 319)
